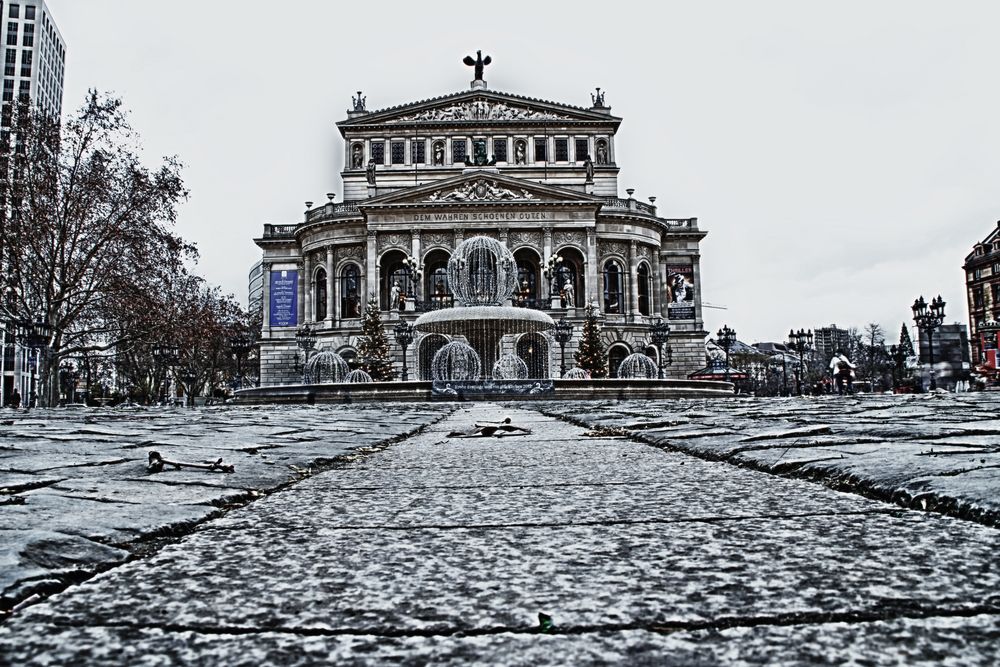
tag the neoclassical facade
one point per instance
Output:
(538, 176)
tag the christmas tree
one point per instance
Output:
(591, 355)
(905, 342)
(373, 346)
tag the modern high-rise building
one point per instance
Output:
(34, 61)
(34, 56)
(830, 340)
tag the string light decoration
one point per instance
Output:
(577, 373)
(510, 367)
(638, 366)
(456, 361)
(326, 368)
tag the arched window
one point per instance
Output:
(614, 288)
(616, 355)
(396, 281)
(320, 301)
(645, 290)
(436, 288)
(526, 293)
(350, 292)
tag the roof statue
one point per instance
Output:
(479, 63)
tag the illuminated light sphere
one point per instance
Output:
(637, 366)
(358, 376)
(482, 272)
(577, 373)
(326, 368)
(510, 367)
(456, 361)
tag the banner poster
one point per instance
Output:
(680, 292)
(284, 299)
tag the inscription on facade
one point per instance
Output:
(488, 216)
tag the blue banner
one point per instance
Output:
(284, 306)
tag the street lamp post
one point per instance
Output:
(240, 346)
(165, 356)
(404, 336)
(725, 339)
(188, 378)
(549, 272)
(929, 319)
(564, 332)
(801, 342)
(659, 332)
(305, 338)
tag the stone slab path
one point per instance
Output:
(443, 550)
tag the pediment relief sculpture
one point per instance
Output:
(480, 190)
(480, 110)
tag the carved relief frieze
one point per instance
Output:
(393, 240)
(342, 253)
(521, 238)
(480, 110)
(643, 251)
(566, 237)
(480, 190)
(606, 248)
(437, 239)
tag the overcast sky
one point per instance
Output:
(843, 157)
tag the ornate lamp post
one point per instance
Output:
(801, 342)
(898, 355)
(305, 338)
(929, 319)
(187, 378)
(725, 339)
(564, 332)
(404, 336)
(240, 345)
(549, 272)
(659, 332)
(415, 271)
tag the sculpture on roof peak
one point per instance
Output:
(479, 63)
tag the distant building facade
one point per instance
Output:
(34, 60)
(540, 177)
(255, 289)
(827, 341)
(951, 356)
(982, 286)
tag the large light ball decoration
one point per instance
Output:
(638, 366)
(510, 367)
(358, 376)
(482, 272)
(577, 373)
(326, 368)
(456, 361)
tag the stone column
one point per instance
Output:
(415, 252)
(664, 302)
(310, 289)
(266, 306)
(300, 295)
(329, 287)
(371, 265)
(593, 284)
(633, 273)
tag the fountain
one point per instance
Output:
(482, 275)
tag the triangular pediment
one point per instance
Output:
(481, 187)
(479, 106)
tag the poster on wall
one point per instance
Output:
(284, 298)
(680, 292)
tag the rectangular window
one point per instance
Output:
(397, 150)
(12, 33)
(11, 56)
(977, 273)
(29, 40)
(29, 13)
(540, 150)
(8, 90)
(977, 297)
(500, 150)
(581, 150)
(26, 63)
(14, 12)
(996, 268)
(418, 153)
(29, 28)
(562, 150)
(996, 294)
(378, 152)
(458, 151)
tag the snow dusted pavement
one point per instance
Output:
(446, 550)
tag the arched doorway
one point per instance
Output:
(616, 355)
(570, 273)
(394, 271)
(426, 349)
(526, 294)
(436, 285)
(534, 350)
